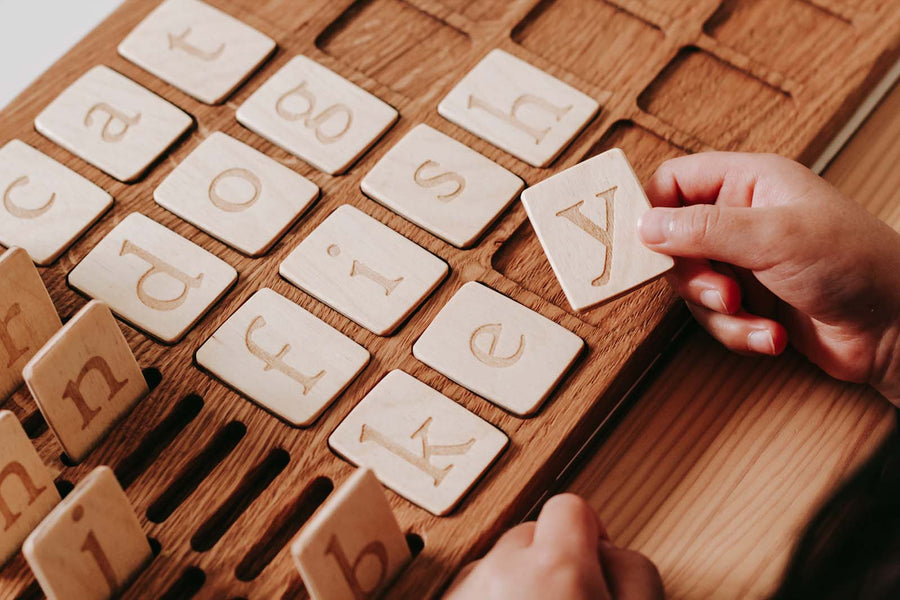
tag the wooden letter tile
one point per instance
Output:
(91, 545)
(152, 277)
(199, 49)
(85, 379)
(420, 443)
(236, 194)
(498, 348)
(442, 185)
(27, 317)
(46, 206)
(112, 122)
(586, 219)
(518, 108)
(317, 115)
(364, 269)
(282, 357)
(352, 547)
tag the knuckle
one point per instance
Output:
(700, 223)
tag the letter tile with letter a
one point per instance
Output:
(45, 205)
(442, 185)
(152, 277)
(363, 269)
(199, 49)
(420, 443)
(518, 108)
(236, 194)
(91, 545)
(317, 115)
(85, 379)
(282, 357)
(586, 220)
(112, 122)
(352, 547)
(498, 348)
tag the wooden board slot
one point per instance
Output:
(188, 584)
(34, 424)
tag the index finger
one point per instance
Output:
(568, 524)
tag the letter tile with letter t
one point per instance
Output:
(419, 443)
(586, 220)
(152, 277)
(112, 122)
(91, 545)
(352, 547)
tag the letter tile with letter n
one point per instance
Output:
(352, 547)
(91, 545)
(364, 270)
(112, 122)
(282, 357)
(518, 108)
(46, 205)
(201, 50)
(317, 115)
(586, 220)
(442, 185)
(152, 277)
(419, 442)
(85, 379)
(498, 348)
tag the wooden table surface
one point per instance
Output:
(721, 459)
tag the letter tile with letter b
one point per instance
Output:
(498, 348)
(152, 277)
(352, 547)
(112, 122)
(317, 115)
(91, 545)
(518, 108)
(419, 443)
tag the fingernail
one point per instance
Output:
(653, 226)
(761, 341)
(713, 300)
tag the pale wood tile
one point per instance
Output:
(420, 443)
(46, 206)
(317, 115)
(204, 52)
(352, 547)
(91, 545)
(236, 194)
(364, 269)
(112, 122)
(586, 219)
(442, 185)
(498, 348)
(152, 277)
(518, 108)
(282, 357)
(85, 379)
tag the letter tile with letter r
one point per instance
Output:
(419, 443)
(153, 278)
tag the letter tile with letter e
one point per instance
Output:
(201, 50)
(518, 108)
(586, 220)
(46, 206)
(91, 545)
(317, 115)
(442, 185)
(282, 357)
(498, 348)
(152, 277)
(419, 442)
(85, 379)
(27, 317)
(364, 269)
(352, 547)
(236, 194)
(112, 122)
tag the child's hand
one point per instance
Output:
(770, 253)
(564, 554)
